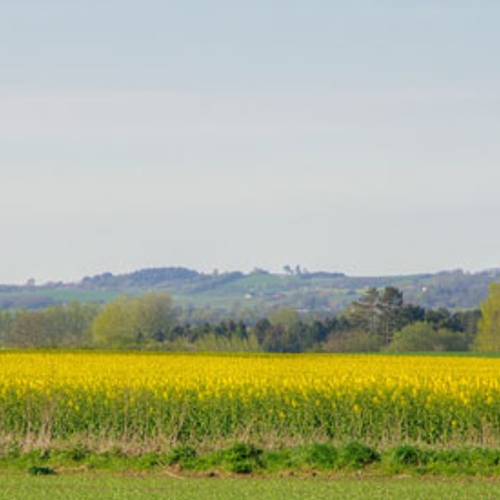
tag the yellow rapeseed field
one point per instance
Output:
(196, 397)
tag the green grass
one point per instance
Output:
(91, 487)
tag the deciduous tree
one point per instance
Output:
(488, 334)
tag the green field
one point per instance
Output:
(82, 487)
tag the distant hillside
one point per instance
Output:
(233, 291)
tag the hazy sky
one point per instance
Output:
(356, 136)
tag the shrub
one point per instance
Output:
(243, 458)
(416, 337)
(182, 455)
(407, 455)
(359, 455)
(322, 455)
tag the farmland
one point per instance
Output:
(157, 401)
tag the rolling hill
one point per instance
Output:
(261, 290)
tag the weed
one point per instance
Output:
(406, 454)
(36, 470)
(243, 458)
(359, 455)
(323, 456)
(182, 455)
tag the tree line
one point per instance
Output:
(380, 321)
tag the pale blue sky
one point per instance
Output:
(357, 136)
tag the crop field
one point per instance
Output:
(164, 399)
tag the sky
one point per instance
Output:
(352, 136)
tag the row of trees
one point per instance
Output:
(60, 326)
(381, 321)
(378, 321)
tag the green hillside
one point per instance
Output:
(259, 290)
